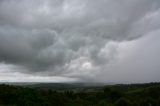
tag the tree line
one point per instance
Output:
(116, 95)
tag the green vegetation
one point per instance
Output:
(115, 95)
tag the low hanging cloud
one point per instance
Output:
(74, 38)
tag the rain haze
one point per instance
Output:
(80, 41)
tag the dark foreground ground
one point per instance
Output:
(77, 95)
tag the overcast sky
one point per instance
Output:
(80, 40)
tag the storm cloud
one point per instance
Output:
(85, 40)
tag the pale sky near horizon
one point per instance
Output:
(80, 40)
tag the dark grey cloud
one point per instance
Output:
(72, 38)
(22, 46)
